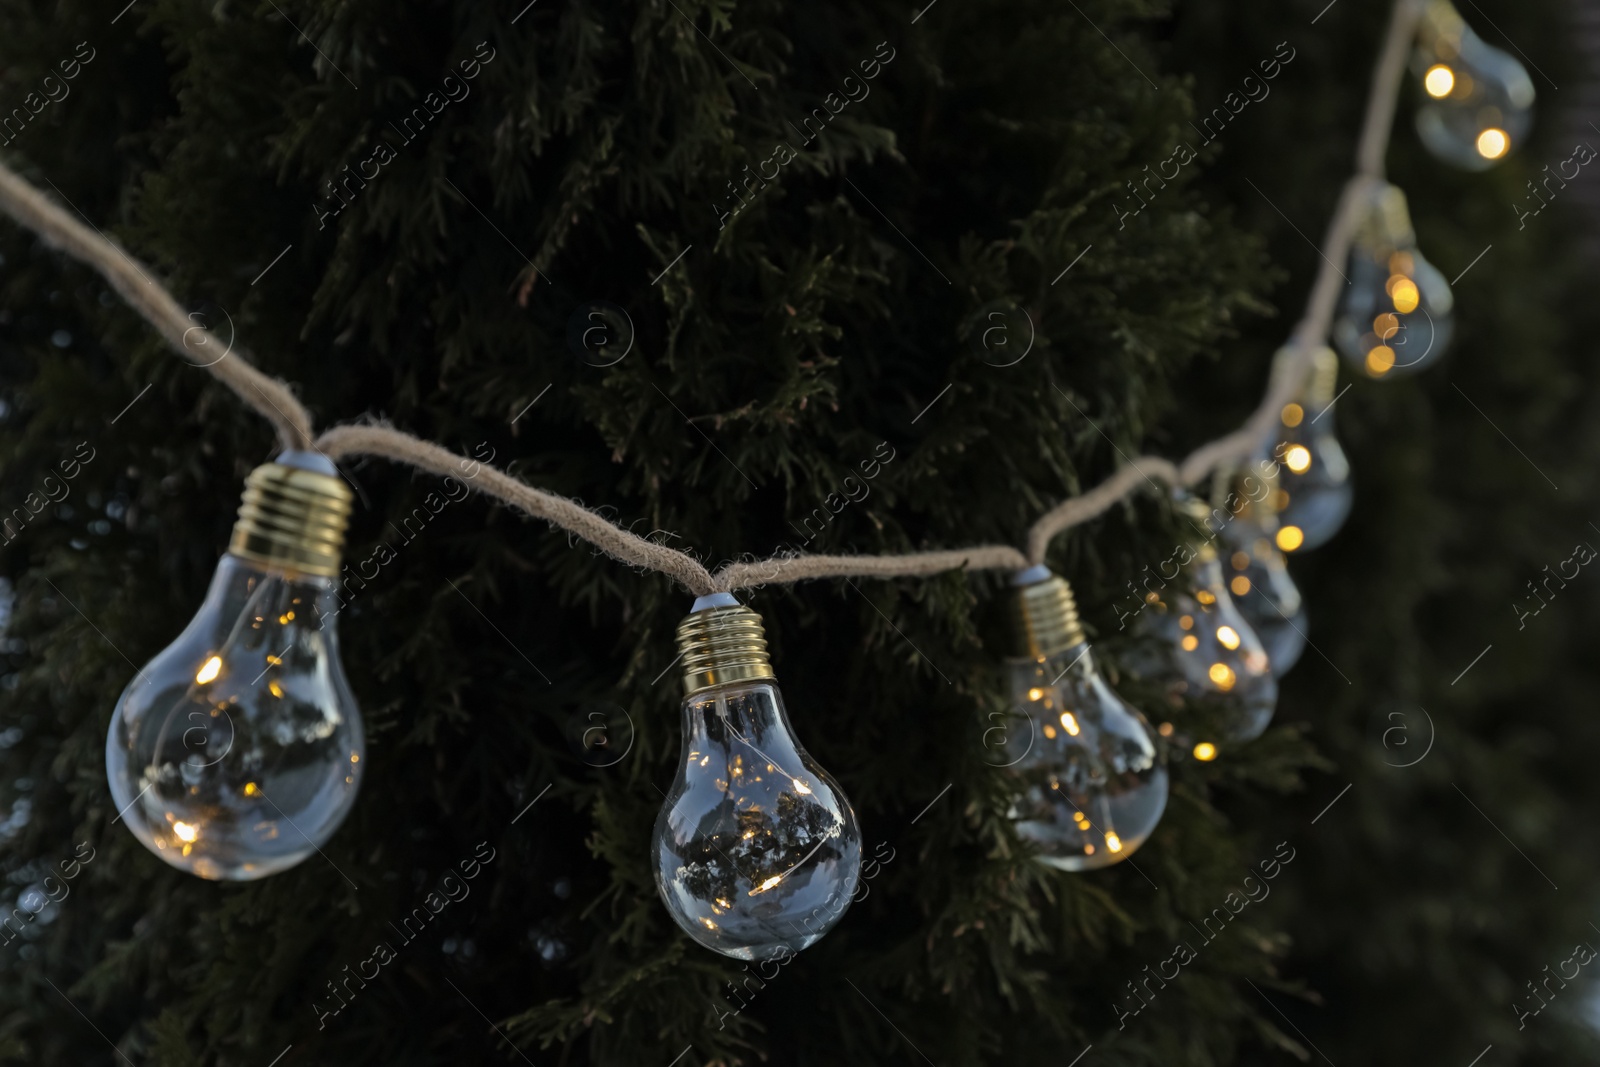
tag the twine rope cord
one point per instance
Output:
(275, 400)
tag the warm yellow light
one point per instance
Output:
(275, 689)
(1113, 842)
(768, 884)
(1380, 360)
(1222, 676)
(1386, 325)
(1492, 143)
(1292, 414)
(1088, 850)
(1035, 694)
(1190, 642)
(1439, 80)
(251, 789)
(355, 757)
(1204, 596)
(209, 670)
(1290, 538)
(1403, 291)
(1205, 752)
(1298, 459)
(1228, 636)
(801, 787)
(709, 925)
(185, 832)
(1401, 266)
(1069, 724)
(1186, 622)
(1239, 586)
(1049, 731)
(286, 618)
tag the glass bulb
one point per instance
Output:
(1397, 313)
(1090, 786)
(1207, 651)
(1259, 583)
(1477, 101)
(757, 849)
(1313, 494)
(238, 750)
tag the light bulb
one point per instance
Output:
(1476, 101)
(1313, 494)
(238, 750)
(1205, 649)
(757, 849)
(1258, 578)
(1397, 313)
(1089, 782)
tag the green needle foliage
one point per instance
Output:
(411, 212)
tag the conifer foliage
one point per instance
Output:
(832, 277)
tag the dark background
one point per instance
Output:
(817, 325)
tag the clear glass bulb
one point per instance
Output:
(238, 750)
(757, 850)
(1259, 582)
(1090, 784)
(1477, 101)
(1208, 652)
(1313, 494)
(1397, 314)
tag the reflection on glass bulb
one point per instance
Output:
(237, 751)
(1207, 651)
(1089, 783)
(757, 850)
(1313, 494)
(1478, 100)
(1397, 314)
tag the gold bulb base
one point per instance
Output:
(719, 646)
(1047, 617)
(293, 519)
(1386, 225)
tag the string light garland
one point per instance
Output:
(757, 850)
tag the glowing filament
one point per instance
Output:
(1228, 636)
(1222, 676)
(1298, 459)
(209, 670)
(1439, 80)
(1205, 752)
(185, 832)
(1290, 538)
(1069, 724)
(1035, 694)
(1113, 842)
(768, 884)
(1403, 291)
(801, 787)
(1492, 143)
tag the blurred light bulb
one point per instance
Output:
(1089, 794)
(1204, 648)
(1256, 573)
(1313, 494)
(757, 849)
(1479, 100)
(1397, 313)
(236, 752)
